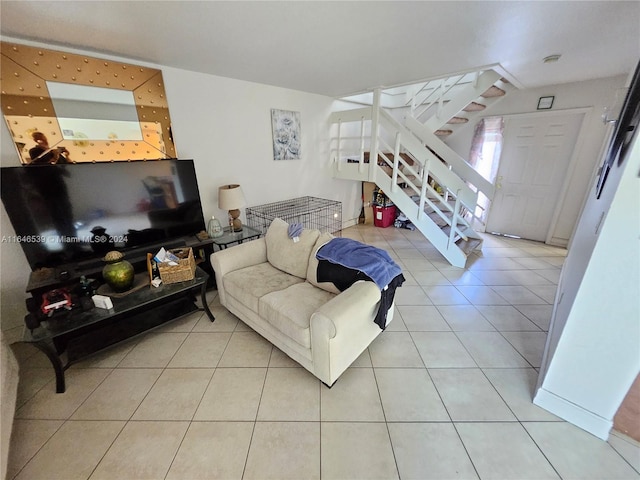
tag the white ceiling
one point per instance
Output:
(337, 48)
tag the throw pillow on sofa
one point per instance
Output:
(284, 253)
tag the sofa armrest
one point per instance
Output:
(343, 328)
(237, 257)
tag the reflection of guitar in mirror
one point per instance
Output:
(42, 153)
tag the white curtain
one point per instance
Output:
(486, 148)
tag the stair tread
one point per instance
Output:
(493, 91)
(474, 107)
(438, 220)
(468, 246)
(457, 120)
(443, 133)
(446, 228)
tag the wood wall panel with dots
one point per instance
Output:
(27, 106)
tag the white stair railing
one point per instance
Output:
(439, 171)
(468, 93)
(397, 155)
(434, 93)
(352, 145)
(459, 165)
(411, 163)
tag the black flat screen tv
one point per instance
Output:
(73, 214)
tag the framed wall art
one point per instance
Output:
(545, 103)
(285, 126)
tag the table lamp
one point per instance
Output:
(231, 198)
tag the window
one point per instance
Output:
(484, 157)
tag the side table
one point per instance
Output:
(229, 237)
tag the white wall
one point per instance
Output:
(595, 94)
(225, 126)
(13, 264)
(596, 324)
(13, 281)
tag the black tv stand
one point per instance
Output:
(45, 279)
(69, 336)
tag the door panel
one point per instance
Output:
(533, 211)
(535, 156)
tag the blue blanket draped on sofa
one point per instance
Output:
(353, 261)
(374, 262)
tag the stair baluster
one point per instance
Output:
(438, 216)
(361, 163)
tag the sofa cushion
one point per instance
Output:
(312, 269)
(290, 310)
(249, 284)
(285, 254)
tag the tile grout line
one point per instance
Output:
(255, 421)
(204, 391)
(93, 470)
(455, 427)
(622, 456)
(37, 451)
(386, 423)
(126, 422)
(541, 451)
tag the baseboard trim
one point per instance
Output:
(349, 223)
(558, 242)
(575, 414)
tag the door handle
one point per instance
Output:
(499, 182)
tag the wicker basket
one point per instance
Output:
(185, 270)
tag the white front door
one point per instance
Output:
(536, 152)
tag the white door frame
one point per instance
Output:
(572, 162)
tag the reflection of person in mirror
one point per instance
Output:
(42, 153)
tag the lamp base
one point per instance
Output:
(235, 224)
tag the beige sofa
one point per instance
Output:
(270, 284)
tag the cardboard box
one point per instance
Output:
(368, 215)
(367, 197)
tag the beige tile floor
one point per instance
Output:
(444, 393)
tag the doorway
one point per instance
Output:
(536, 153)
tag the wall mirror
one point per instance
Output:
(99, 110)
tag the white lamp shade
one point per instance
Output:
(230, 197)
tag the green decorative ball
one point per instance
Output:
(118, 273)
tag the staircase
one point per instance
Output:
(429, 182)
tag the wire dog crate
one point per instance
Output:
(311, 212)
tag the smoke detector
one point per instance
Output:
(551, 58)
